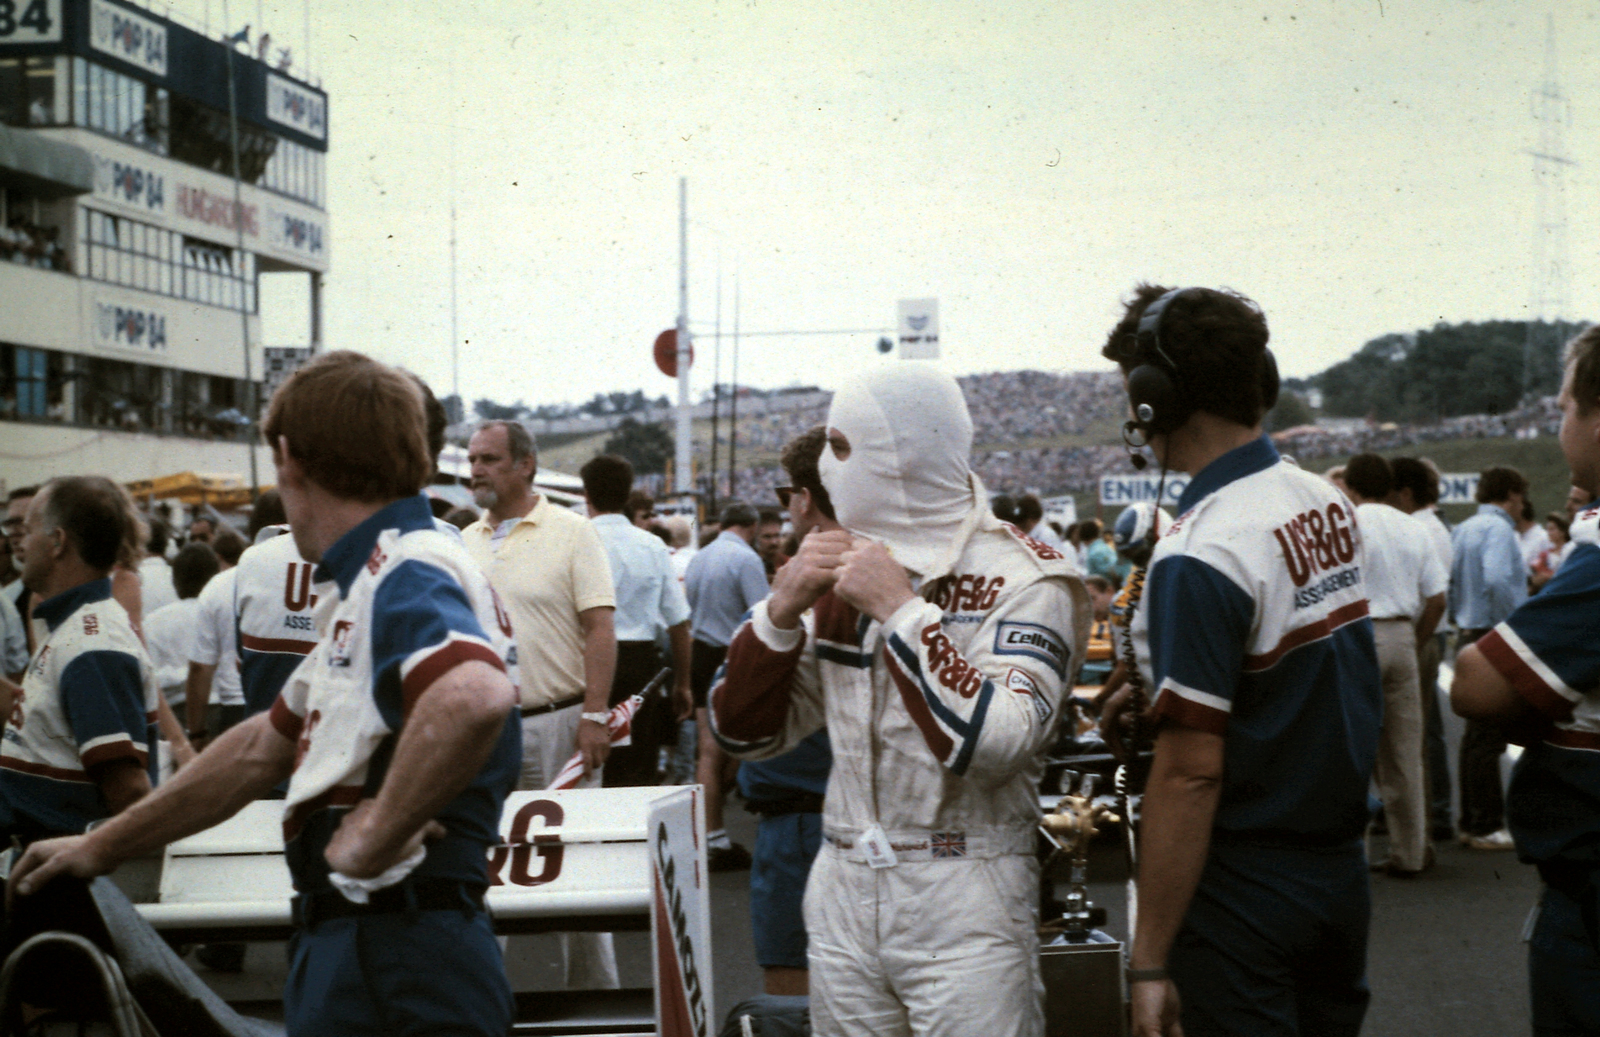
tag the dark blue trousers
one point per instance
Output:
(1275, 943)
(398, 975)
(1563, 970)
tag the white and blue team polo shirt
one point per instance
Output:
(1254, 627)
(1549, 650)
(88, 699)
(275, 598)
(406, 604)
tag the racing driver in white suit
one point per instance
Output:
(935, 642)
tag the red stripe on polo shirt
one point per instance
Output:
(1305, 635)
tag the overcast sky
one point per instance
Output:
(1356, 167)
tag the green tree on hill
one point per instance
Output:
(646, 447)
(1445, 371)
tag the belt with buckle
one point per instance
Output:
(311, 909)
(551, 707)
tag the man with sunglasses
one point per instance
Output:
(787, 791)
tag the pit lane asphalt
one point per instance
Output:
(1446, 956)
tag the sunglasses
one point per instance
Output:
(784, 494)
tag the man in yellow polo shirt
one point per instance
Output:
(549, 568)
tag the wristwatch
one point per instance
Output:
(601, 717)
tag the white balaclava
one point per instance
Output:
(905, 482)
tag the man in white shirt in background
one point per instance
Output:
(169, 631)
(1531, 535)
(649, 600)
(156, 588)
(1416, 492)
(215, 700)
(1406, 598)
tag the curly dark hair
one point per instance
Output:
(800, 463)
(1217, 340)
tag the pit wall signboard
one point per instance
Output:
(129, 181)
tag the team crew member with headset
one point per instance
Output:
(1254, 641)
(399, 729)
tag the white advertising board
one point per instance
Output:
(1458, 487)
(128, 37)
(919, 329)
(292, 105)
(1122, 490)
(131, 182)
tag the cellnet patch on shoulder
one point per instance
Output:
(1031, 639)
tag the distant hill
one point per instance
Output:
(1444, 371)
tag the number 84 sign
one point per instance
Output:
(30, 21)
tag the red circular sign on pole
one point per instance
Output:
(667, 352)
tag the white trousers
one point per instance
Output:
(588, 960)
(946, 948)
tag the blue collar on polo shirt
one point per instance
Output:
(58, 608)
(344, 559)
(1255, 456)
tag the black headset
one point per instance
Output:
(1155, 384)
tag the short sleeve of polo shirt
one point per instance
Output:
(1199, 628)
(1435, 574)
(591, 571)
(214, 622)
(674, 605)
(422, 627)
(752, 579)
(102, 695)
(15, 646)
(1548, 649)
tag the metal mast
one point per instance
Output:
(683, 464)
(253, 287)
(1551, 299)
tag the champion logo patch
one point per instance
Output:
(1019, 682)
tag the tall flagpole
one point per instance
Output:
(247, 291)
(682, 471)
(716, 388)
(733, 416)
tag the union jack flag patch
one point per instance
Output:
(948, 844)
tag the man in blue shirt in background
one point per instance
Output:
(1538, 673)
(1488, 579)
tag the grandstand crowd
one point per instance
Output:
(1016, 413)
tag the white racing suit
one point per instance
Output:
(939, 719)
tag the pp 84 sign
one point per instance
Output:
(30, 21)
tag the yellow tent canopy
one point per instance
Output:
(224, 492)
